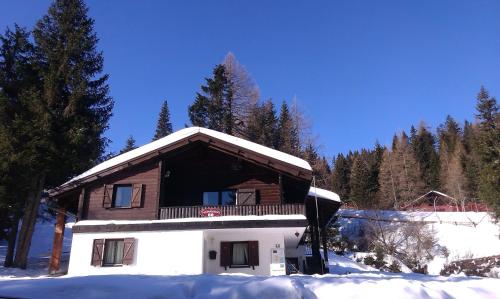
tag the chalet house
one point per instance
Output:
(196, 201)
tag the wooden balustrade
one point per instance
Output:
(242, 210)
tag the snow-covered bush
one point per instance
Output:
(413, 243)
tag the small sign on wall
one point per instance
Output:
(210, 212)
(278, 262)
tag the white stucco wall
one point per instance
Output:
(268, 238)
(156, 253)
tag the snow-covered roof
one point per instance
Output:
(322, 193)
(185, 133)
(204, 219)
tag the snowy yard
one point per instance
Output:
(356, 285)
(350, 280)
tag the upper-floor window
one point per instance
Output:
(219, 198)
(122, 196)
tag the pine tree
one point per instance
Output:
(129, 145)
(423, 144)
(452, 177)
(262, 127)
(360, 182)
(471, 161)
(210, 109)
(340, 177)
(75, 95)
(22, 131)
(285, 130)
(488, 149)
(163, 126)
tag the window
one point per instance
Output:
(113, 252)
(210, 198)
(239, 254)
(219, 198)
(122, 196)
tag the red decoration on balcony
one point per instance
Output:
(210, 212)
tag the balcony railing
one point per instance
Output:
(243, 210)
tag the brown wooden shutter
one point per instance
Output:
(246, 197)
(107, 200)
(136, 196)
(225, 254)
(253, 253)
(97, 252)
(128, 251)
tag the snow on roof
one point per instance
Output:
(185, 133)
(204, 219)
(322, 193)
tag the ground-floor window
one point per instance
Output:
(113, 252)
(239, 254)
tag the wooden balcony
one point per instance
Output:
(243, 210)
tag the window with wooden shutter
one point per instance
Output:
(128, 251)
(107, 200)
(97, 252)
(246, 197)
(253, 253)
(225, 254)
(136, 196)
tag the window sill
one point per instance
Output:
(239, 266)
(119, 208)
(112, 265)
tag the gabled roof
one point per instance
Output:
(211, 136)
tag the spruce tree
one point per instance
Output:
(129, 145)
(75, 97)
(488, 149)
(163, 126)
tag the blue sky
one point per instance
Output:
(361, 70)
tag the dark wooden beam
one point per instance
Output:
(55, 259)
(160, 226)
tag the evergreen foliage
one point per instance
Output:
(163, 126)
(64, 110)
(129, 145)
(488, 149)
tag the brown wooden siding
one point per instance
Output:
(203, 169)
(146, 174)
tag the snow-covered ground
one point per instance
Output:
(464, 234)
(356, 285)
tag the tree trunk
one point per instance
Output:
(11, 241)
(28, 223)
